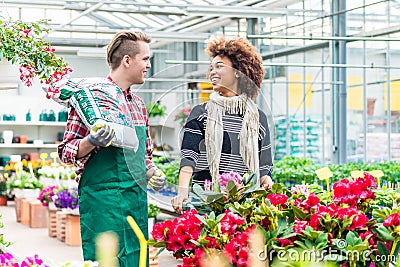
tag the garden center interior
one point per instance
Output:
(331, 88)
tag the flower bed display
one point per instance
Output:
(355, 224)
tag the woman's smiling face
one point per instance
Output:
(223, 77)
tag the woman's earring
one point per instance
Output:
(237, 76)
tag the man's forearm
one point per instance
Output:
(84, 148)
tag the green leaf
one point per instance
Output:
(214, 196)
(322, 241)
(383, 233)
(202, 219)
(353, 239)
(298, 213)
(382, 249)
(232, 189)
(301, 244)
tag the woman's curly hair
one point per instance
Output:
(245, 59)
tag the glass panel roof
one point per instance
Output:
(91, 23)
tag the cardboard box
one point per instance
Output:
(25, 212)
(38, 214)
(73, 230)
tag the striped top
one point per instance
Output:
(193, 151)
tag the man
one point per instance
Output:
(112, 183)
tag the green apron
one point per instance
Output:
(113, 186)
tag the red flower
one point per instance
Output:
(277, 199)
(392, 220)
(179, 233)
(369, 180)
(359, 221)
(284, 241)
(237, 250)
(312, 200)
(299, 226)
(230, 222)
(193, 260)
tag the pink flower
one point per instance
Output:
(224, 178)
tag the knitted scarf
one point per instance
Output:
(248, 136)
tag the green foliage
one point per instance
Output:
(294, 170)
(169, 168)
(2, 240)
(3, 186)
(155, 109)
(153, 210)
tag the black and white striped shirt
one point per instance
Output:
(193, 151)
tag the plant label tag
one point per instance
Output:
(357, 174)
(324, 173)
(376, 173)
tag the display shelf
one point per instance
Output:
(159, 124)
(41, 136)
(14, 145)
(32, 123)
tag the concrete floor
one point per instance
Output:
(30, 241)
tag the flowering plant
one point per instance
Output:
(8, 259)
(24, 180)
(47, 195)
(182, 115)
(22, 43)
(66, 198)
(345, 228)
(3, 186)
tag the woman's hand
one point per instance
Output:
(185, 173)
(266, 182)
(177, 202)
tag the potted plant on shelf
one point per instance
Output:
(3, 191)
(182, 115)
(155, 111)
(153, 211)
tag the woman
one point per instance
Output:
(228, 132)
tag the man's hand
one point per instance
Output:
(101, 135)
(157, 180)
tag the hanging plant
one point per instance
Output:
(22, 43)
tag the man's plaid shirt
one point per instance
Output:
(76, 130)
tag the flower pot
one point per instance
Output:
(156, 120)
(31, 194)
(73, 230)
(3, 200)
(151, 225)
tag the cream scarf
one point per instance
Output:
(216, 108)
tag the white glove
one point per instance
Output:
(157, 181)
(101, 135)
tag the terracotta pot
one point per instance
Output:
(3, 201)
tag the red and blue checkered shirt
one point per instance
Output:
(75, 131)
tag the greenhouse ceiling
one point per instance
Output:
(92, 23)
